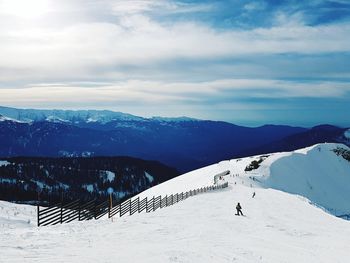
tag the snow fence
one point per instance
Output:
(77, 210)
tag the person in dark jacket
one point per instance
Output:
(239, 209)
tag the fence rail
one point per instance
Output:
(77, 210)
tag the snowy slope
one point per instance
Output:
(315, 172)
(279, 227)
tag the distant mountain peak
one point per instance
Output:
(56, 119)
(4, 118)
(173, 119)
(76, 116)
(325, 127)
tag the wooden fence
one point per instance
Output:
(76, 210)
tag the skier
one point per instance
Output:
(239, 209)
(253, 195)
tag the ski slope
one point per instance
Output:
(279, 226)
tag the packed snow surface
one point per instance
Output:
(278, 226)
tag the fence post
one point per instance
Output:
(146, 204)
(138, 204)
(61, 212)
(153, 203)
(109, 206)
(130, 206)
(38, 214)
(79, 210)
(38, 209)
(166, 200)
(95, 209)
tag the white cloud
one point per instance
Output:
(252, 6)
(164, 92)
(84, 61)
(138, 40)
(122, 8)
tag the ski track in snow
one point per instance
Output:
(278, 226)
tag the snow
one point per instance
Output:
(347, 134)
(55, 119)
(107, 176)
(62, 185)
(110, 176)
(89, 187)
(278, 226)
(315, 172)
(76, 116)
(3, 118)
(41, 185)
(149, 177)
(7, 180)
(91, 120)
(4, 163)
(102, 116)
(173, 119)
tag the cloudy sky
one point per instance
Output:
(246, 62)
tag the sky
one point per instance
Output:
(245, 62)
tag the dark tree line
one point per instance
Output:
(53, 180)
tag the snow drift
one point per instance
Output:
(318, 173)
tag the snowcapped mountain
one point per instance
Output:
(184, 143)
(7, 119)
(278, 226)
(29, 115)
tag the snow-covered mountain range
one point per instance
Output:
(183, 143)
(31, 115)
(290, 218)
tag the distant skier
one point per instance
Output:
(239, 209)
(253, 195)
